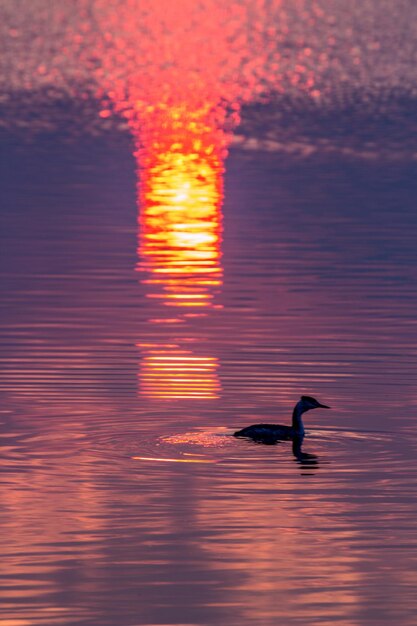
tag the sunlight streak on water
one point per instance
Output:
(180, 224)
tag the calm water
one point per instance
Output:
(124, 499)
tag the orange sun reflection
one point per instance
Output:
(180, 226)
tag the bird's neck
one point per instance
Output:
(297, 422)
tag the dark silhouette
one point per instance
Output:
(306, 460)
(272, 433)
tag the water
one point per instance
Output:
(125, 499)
(146, 316)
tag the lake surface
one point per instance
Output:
(125, 500)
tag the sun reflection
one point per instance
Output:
(180, 228)
(172, 373)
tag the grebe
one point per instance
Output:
(271, 433)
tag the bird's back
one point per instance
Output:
(266, 431)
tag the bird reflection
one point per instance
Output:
(305, 459)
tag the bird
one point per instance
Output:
(271, 433)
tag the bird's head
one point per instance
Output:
(308, 403)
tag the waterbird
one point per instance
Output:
(271, 433)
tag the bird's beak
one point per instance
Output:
(324, 406)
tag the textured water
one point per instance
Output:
(123, 504)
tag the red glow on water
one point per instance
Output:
(180, 228)
(176, 374)
(158, 56)
(179, 72)
(180, 224)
